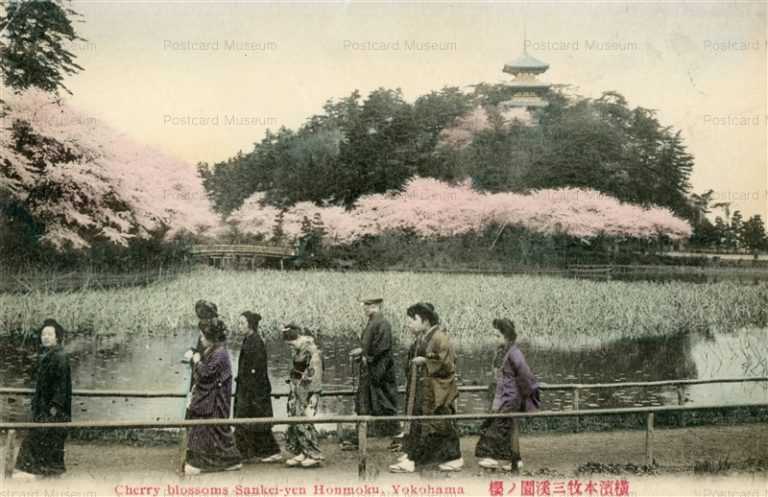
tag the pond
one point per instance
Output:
(153, 364)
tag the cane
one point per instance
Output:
(187, 366)
(355, 373)
(411, 400)
(356, 391)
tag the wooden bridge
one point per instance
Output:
(237, 255)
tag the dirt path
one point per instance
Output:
(99, 468)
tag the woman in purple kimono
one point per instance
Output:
(516, 391)
(211, 448)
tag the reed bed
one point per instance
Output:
(554, 311)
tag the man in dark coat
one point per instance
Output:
(377, 387)
(42, 452)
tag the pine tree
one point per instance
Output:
(753, 234)
(32, 49)
(278, 232)
(737, 225)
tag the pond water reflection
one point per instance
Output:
(153, 363)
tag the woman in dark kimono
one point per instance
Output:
(432, 375)
(305, 382)
(516, 391)
(253, 398)
(42, 452)
(211, 448)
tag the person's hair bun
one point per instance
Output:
(506, 327)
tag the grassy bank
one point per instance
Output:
(548, 310)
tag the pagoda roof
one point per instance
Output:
(517, 83)
(526, 63)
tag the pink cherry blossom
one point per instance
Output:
(117, 188)
(432, 208)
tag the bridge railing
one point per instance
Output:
(242, 250)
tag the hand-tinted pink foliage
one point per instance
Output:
(432, 208)
(115, 189)
(465, 128)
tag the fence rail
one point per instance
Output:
(362, 424)
(462, 388)
(7, 454)
(85, 280)
(626, 269)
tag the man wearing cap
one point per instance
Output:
(377, 388)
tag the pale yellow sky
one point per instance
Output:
(202, 80)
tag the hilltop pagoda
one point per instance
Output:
(525, 89)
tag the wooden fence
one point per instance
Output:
(6, 456)
(84, 280)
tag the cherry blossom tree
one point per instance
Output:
(78, 180)
(431, 208)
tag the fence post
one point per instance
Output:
(362, 444)
(681, 401)
(576, 406)
(183, 451)
(7, 461)
(649, 440)
(515, 437)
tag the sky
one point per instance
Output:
(204, 80)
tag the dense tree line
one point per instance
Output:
(729, 232)
(360, 146)
(354, 147)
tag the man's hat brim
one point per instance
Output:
(372, 301)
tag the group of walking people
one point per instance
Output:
(216, 448)
(431, 389)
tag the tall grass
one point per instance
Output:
(548, 311)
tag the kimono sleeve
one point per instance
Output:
(208, 373)
(245, 360)
(60, 386)
(313, 375)
(526, 381)
(439, 356)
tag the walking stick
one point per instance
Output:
(355, 388)
(185, 433)
(411, 400)
(355, 377)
